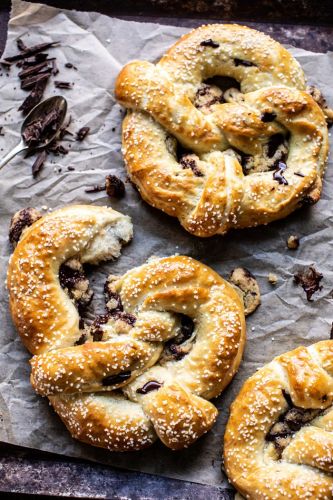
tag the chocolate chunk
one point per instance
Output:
(30, 51)
(116, 379)
(32, 70)
(299, 174)
(189, 161)
(209, 43)
(82, 133)
(268, 116)
(21, 45)
(41, 129)
(1, 132)
(29, 82)
(309, 279)
(114, 186)
(152, 385)
(20, 221)
(70, 168)
(95, 189)
(81, 340)
(57, 149)
(70, 66)
(34, 97)
(278, 174)
(38, 164)
(331, 331)
(55, 69)
(63, 85)
(242, 62)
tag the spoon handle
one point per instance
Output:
(20, 147)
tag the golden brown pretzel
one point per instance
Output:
(172, 336)
(278, 442)
(271, 128)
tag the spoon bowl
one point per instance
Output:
(37, 114)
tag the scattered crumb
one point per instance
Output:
(309, 279)
(293, 242)
(272, 278)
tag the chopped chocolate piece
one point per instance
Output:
(5, 63)
(81, 340)
(32, 70)
(209, 43)
(30, 51)
(299, 174)
(1, 132)
(309, 279)
(29, 82)
(82, 133)
(21, 45)
(293, 242)
(190, 161)
(278, 174)
(55, 69)
(152, 385)
(70, 168)
(247, 287)
(114, 186)
(57, 149)
(20, 221)
(116, 379)
(70, 65)
(268, 116)
(331, 332)
(63, 85)
(95, 189)
(32, 61)
(38, 164)
(242, 62)
(41, 129)
(34, 97)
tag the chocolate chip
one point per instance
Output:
(30, 51)
(209, 43)
(81, 340)
(116, 379)
(278, 174)
(82, 133)
(152, 385)
(242, 62)
(309, 279)
(63, 85)
(95, 328)
(268, 116)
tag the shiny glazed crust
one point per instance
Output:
(79, 379)
(304, 469)
(160, 102)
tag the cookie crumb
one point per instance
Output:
(272, 278)
(293, 242)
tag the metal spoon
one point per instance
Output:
(57, 102)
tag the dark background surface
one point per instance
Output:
(26, 473)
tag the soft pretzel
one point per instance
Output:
(244, 157)
(278, 442)
(171, 339)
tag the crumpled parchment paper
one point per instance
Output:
(99, 46)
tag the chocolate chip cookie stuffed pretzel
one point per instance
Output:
(222, 159)
(279, 441)
(172, 337)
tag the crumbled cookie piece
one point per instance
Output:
(316, 94)
(272, 278)
(248, 287)
(74, 282)
(309, 279)
(207, 96)
(20, 221)
(293, 242)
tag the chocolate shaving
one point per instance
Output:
(309, 279)
(63, 85)
(209, 43)
(29, 82)
(95, 189)
(55, 69)
(39, 130)
(30, 51)
(38, 164)
(34, 97)
(81, 340)
(70, 65)
(1, 132)
(299, 174)
(278, 174)
(32, 69)
(57, 149)
(21, 45)
(32, 61)
(82, 133)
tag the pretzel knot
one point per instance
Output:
(279, 442)
(171, 339)
(215, 157)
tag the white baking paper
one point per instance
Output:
(99, 46)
